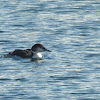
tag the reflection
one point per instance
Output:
(37, 60)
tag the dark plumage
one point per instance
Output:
(22, 53)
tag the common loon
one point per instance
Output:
(34, 52)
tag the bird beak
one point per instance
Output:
(47, 50)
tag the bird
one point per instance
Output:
(35, 52)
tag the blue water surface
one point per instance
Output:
(70, 29)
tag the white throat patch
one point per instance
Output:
(37, 55)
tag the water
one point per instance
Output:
(70, 29)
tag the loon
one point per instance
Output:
(34, 52)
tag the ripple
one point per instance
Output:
(18, 25)
(1, 41)
(93, 55)
(21, 79)
(2, 31)
(86, 94)
(64, 78)
(4, 79)
(84, 34)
